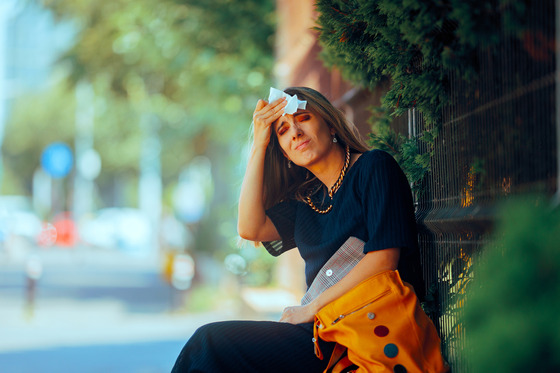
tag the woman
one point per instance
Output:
(310, 183)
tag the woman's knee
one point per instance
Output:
(202, 336)
(190, 352)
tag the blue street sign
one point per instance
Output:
(57, 160)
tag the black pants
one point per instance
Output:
(252, 346)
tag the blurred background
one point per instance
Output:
(124, 131)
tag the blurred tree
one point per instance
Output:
(198, 67)
(182, 60)
(511, 308)
(36, 121)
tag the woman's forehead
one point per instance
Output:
(284, 118)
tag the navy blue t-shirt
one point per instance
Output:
(374, 204)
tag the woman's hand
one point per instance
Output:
(298, 314)
(252, 222)
(263, 117)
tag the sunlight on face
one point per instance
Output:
(304, 137)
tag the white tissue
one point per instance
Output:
(293, 103)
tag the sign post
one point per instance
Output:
(57, 160)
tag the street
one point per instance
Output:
(148, 357)
(92, 312)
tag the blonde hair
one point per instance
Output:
(282, 182)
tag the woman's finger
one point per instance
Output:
(272, 105)
(272, 111)
(285, 315)
(260, 104)
(263, 105)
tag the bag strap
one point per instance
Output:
(337, 361)
(338, 266)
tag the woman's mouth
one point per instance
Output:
(302, 145)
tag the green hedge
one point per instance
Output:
(416, 45)
(511, 317)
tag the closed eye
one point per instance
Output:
(303, 117)
(282, 129)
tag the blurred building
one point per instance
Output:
(298, 63)
(30, 42)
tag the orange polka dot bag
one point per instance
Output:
(379, 327)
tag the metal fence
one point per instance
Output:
(498, 139)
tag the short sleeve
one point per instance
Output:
(283, 216)
(388, 205)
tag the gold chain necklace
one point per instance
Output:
(334, 188)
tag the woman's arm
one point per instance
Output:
(374, 262)
(252, 223)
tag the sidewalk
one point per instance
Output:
(63, 320)
(66, 324)
(71, 323)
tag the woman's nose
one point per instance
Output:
(296, 130)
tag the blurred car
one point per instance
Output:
(22, 224)
(19, 225)
(66, 231)
(125, 229)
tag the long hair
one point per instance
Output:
(282, 182)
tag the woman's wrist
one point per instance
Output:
(314, 306)
(258, 149)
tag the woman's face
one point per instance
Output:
(304, 137)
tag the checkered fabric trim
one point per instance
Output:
(349, 254)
